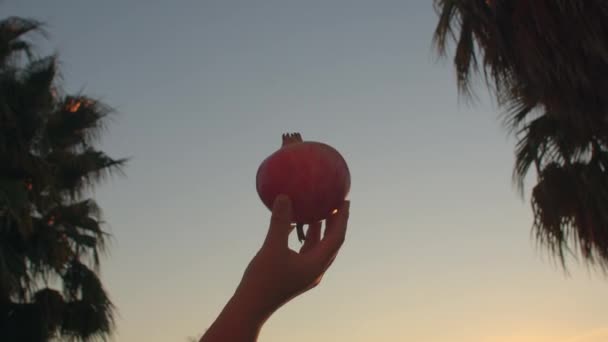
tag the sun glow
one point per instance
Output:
(73, 106)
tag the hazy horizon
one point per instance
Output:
(439, 245)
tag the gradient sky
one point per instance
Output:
(439, 245)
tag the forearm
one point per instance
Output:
(240, 321)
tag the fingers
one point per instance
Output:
(336, 225)
(280, 221)
(313, 235)
(335, 233)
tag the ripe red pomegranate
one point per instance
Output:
(312, 174)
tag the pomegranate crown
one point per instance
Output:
(291, 138)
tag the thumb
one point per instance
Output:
(280, 221)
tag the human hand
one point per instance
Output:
(277, 274)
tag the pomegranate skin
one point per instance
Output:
(312, 174)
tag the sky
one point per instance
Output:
(439, 245)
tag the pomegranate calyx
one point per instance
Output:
(291, 138)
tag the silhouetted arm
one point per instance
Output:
(240, 320)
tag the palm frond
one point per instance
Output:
(11, 30)
(79, 223)
(77, 122)
(77, 170)
(568, 208)
(444, 32)
(24, 99)
(546, 62)
(90, 311)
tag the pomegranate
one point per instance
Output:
(312, 174)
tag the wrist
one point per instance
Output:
(253, 303)
(240, 320)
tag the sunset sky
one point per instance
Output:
(439, 247)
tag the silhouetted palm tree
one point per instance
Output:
(50, 233)
(546, 62)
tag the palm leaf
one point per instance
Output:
(546, 63)
(11, 30)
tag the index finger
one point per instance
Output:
(280, 221)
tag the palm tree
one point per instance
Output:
(546, 63)
(51, 234)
